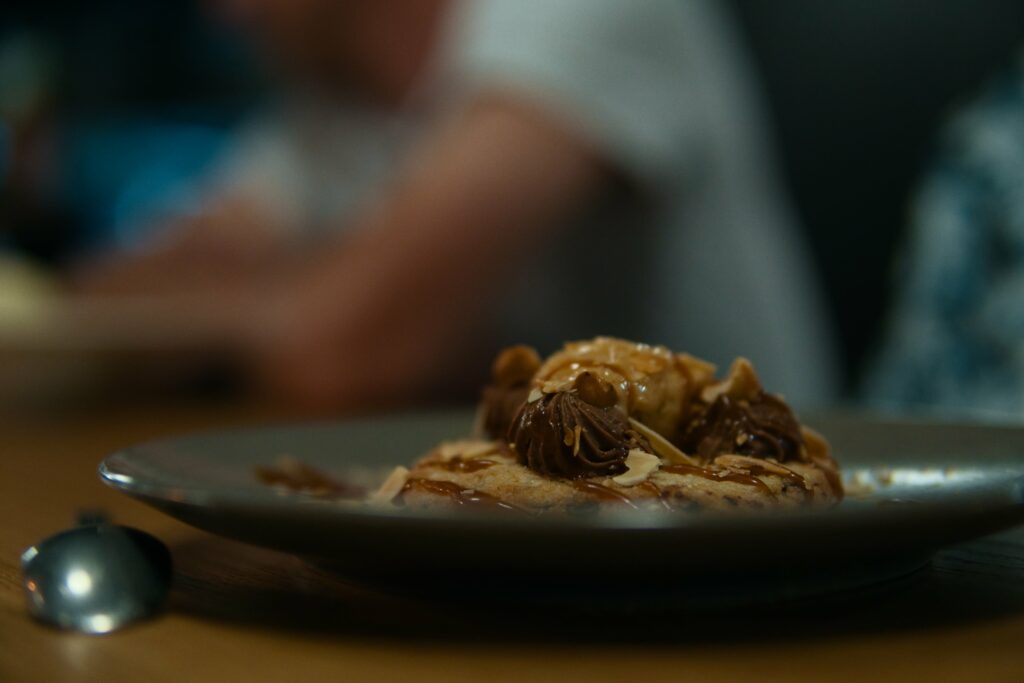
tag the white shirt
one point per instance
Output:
(701, 254)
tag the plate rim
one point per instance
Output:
(112, 474)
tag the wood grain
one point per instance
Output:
(242, 613)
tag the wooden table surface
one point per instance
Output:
(242, 613)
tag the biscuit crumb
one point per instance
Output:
(466, 448)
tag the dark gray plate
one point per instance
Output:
(925, 486)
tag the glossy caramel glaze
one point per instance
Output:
(719, 475)
(462, 464)
(457, 494)
(604, 493)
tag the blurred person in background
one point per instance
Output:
(443, 177)
(955, 343)
(30, 213)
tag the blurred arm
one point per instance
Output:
(384, 312)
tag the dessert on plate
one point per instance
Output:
(612, 423)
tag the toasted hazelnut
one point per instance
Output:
(639, 466)
(515, 366)
(595, 391)
(391, 487)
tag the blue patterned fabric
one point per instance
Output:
(955, 343)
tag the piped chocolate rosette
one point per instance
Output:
(608, 422)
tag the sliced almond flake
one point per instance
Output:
(466, 448)
(742, 382)
(555, 386)
(391, 487)
(535, 395)
(576, 432)
(639, 466)
(661, 445)
(745, 462)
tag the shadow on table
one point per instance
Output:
(227, 581)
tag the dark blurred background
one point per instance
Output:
(124, 102)
(859, 91)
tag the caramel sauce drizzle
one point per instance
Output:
(461, 464)
(458, 494)
(618, 368)
(472, 497)
(706, 473)
(604, 493)
(795, 477)
(658, 493)
(789, 475)
(302, 478)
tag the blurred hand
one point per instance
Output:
(391, 309)
(327, 342)
(227, 244)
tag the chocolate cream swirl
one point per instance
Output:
(762, 426)
(562, 435)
